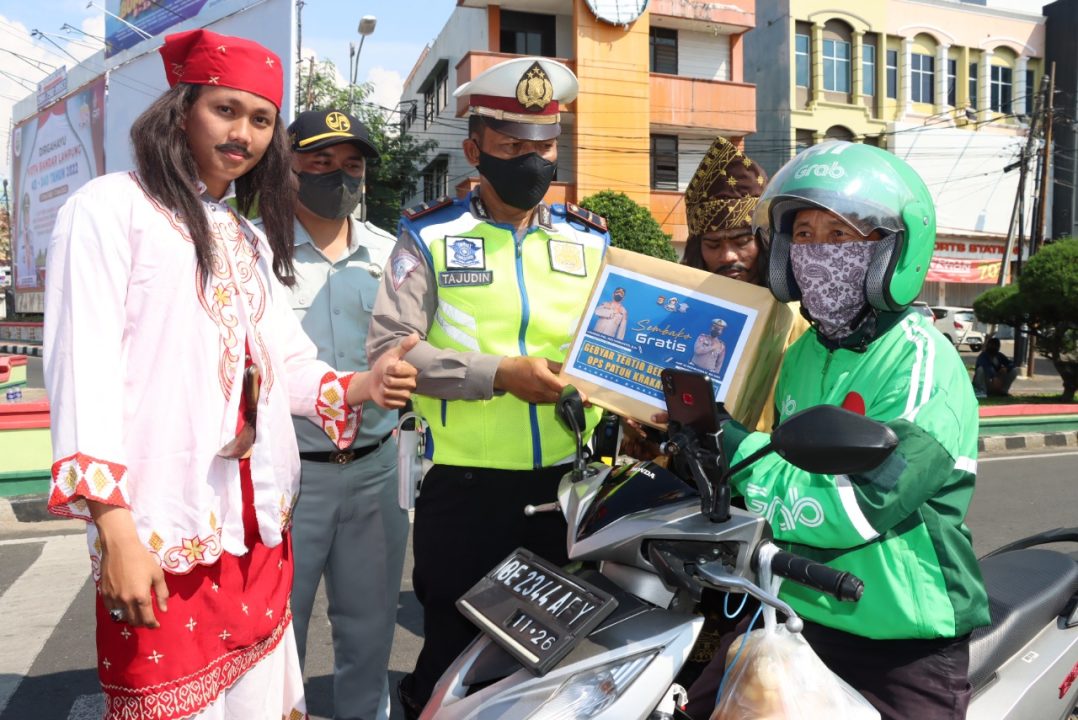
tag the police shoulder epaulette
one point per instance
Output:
(426, 208)
(592, 220)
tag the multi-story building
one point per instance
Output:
(653, 93)
(1061, 29)
(949, 85)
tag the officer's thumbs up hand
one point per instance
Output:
(532, 379)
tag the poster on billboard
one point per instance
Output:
(153, 17)
(54, 153)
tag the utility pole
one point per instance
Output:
(1037, 235)
(1046, 158)
(299, 46)
(1021, 343)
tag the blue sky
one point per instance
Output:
(404, 27)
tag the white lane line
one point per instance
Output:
(35, 603)
(1031, 456)
(88, 707)
(39, 539)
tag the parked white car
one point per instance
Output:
(957, 325)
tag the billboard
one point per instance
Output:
(153, 17)
(53, 154)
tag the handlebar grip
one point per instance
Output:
(839, 584)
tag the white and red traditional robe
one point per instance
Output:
(144, 366)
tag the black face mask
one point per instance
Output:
(333, 195)
(521, 181)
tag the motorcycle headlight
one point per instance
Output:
(587, 694)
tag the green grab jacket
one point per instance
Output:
(900, 527)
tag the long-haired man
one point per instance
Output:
(173, 362)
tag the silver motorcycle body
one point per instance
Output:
(1024, 666)
(647, 639)
(652, 542)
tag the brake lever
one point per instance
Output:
(714, 572)
(530, 510)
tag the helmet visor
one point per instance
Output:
(867, 195)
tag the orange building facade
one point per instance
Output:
(653, 93)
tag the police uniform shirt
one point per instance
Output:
(412, 303)
(333, 301)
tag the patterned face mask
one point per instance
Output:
(832, 281)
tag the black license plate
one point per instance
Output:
(534, 609)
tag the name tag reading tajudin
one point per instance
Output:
(535, 610)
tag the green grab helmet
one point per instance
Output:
(872, 190)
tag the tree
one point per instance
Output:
(1046, 300)
(396, 175)
(632, 226)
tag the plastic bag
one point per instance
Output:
(779, 677)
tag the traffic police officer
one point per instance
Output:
(347, 523)
(495, 315)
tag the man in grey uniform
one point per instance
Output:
(347, 523)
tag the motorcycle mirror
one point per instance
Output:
(570, 409)
(834, 441)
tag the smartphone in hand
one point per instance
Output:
(690, 400)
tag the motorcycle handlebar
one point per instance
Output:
(839, 584)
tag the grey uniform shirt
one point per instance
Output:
(333, 301)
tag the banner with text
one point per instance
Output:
(54, 153)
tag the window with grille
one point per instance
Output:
(1000, 88)
(892, 74)
(1031, 91)
(664, 162)
(436, 179)
(952, 82)
(836, 66)
(524, 33)
(922, 78)
(663, 50)
(868, 69)
(802, 62)
(973, 85)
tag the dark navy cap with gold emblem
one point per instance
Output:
(316, 129)
(520, 97)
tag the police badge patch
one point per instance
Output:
(465, 262)
(465, 253)
(403, 264)
(567, 257)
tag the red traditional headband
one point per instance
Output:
(203, 57)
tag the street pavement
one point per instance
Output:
(47, 659)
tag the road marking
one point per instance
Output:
(39, 539)
(1031, 456)
(88, 707)
(34, 605)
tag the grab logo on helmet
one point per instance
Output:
(834, 171)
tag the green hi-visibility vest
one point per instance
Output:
(502, 297)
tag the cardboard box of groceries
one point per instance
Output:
(645, 314)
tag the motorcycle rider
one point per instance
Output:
(852, 231)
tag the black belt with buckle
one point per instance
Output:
(343, 457)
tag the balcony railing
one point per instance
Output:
(735, 13)
(718, 105)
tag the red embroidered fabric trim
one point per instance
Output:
(188, 695)
(339, 421)
(78, 477)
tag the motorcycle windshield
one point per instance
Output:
(629, 489)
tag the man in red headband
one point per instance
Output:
(173, 363)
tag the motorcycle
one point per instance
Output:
(606, 637)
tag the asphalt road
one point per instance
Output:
(47, 656)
